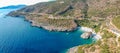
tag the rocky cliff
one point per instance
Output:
(67, 10)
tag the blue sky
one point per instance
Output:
(17, 2)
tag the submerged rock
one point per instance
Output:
(86, 35)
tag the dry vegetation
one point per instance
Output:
(88, 9)
(116, 21)
(106, 45)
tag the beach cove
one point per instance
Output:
(18, 36)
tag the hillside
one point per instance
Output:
(77, 10)
(67, 15)
(60, 9)
(75, 7)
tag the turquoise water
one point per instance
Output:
(18, 36)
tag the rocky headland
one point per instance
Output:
(67, 15)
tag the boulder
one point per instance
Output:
(86, 35)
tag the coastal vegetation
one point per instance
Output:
(108, 44)
(87, 13)
(80, 50)
(83, 22)
(89, 23)
(116, 21)
(55, 24)
(108, 34)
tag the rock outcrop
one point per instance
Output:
(86, 35)
(58, 25)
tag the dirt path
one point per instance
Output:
(113, 29)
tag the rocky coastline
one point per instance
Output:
(52, 24)
(43, 21)
(51, 28)
(86, 30)
(72, 50)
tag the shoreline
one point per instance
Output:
(72, 50)
(96, 37)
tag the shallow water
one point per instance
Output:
(18, 36)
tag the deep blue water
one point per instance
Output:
(18, 36)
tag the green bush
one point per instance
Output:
(108, 34)
(80, 50)
(105, 48)
(116, 21)
(92, 49)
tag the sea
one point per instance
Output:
(18, 36)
